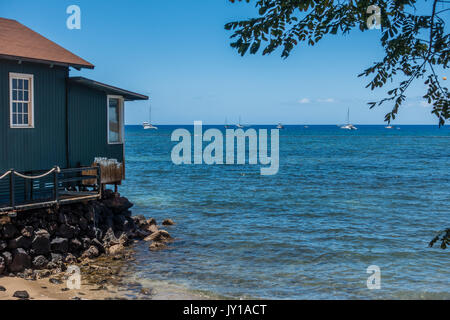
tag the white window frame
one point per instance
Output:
(121, 120)
(30, 79)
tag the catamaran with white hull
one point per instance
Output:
(349, 126)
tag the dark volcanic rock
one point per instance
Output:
(157, 245)
(21, 295)
(27, 231)
(66, 231)
(52, 228)
(40, 262)
(19, 242)
(75, 245)
(8, 257)
(90, 253)
(9, 231)
(168, 222)
(118, 204)
(152, 228)
(70, 258)
(56, 258)
(83, 223)
(119, 222)
(127, 213)
(115, 249)
(98, 245)
(2, 265)
(86, 242)
(93, 232)
(110, 238)
(47, 240)
(60, 245)
(140, 220)
(160, 235)
(54, 281)
(2, 289)
(41, 242)
(142, 234)
(123, 239)
(21, 261)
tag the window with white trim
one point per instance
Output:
(21, 100)
(115, 119)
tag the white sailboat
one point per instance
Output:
(226, 124)
(349, 126)
(148, 125)
(239, 125)
(280, 126)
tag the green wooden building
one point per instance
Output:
(61, 137)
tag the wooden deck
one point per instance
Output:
(46, 204)
(61, 187)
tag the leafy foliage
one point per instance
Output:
(415, 45)
(444, 237)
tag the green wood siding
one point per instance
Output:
(88, 127)
(43, 146)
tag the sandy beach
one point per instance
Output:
(103, 278)
(43, 289)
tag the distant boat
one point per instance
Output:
(148, 125)
(306, 127)
(226, 124)
(280, 126)
(349, 126)
(239, 125)
(389, 127)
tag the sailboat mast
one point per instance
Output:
(348, 115)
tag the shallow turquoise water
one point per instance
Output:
(341, 201)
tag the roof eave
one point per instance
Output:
(128, 95)
(54, 63)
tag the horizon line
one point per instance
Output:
(297, 124)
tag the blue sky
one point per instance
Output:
(178, 53)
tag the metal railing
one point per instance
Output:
(26, 191)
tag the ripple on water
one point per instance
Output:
(340, 203)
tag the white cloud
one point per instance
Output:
(304, 100)
(327, 100)
(323, 100)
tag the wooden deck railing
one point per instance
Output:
(20, 191)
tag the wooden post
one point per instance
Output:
(25, 193)
(11, 189)
(31, 190)
(55, 185)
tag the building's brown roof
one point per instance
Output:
(20, 42)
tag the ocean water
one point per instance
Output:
(341, 201)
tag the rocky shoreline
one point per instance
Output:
(94, 235)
